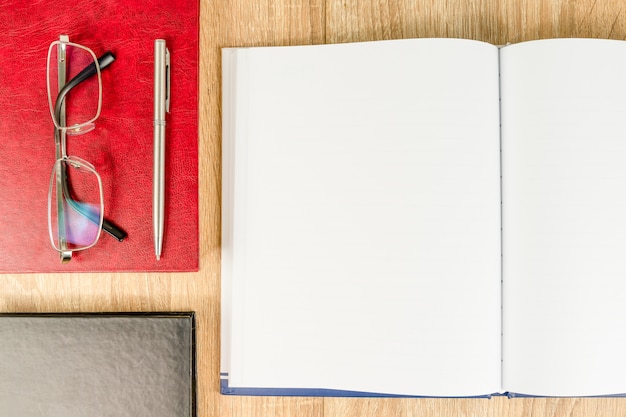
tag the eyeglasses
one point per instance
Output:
(75, 196)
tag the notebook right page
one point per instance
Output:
(564, 217)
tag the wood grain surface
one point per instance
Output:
(226, 23)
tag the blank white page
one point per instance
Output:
(564, 216)
(363, 251)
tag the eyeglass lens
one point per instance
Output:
(81, 103)
(81, 203)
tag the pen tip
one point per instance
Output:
(158, 257)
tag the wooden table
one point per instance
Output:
(288, 22)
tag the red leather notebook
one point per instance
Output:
(120, 147)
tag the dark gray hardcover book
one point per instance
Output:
(69, 365)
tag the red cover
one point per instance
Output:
(121, 146)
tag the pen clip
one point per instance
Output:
(167, 80)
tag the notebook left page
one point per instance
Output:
(361, 215)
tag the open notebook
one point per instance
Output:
(428, 217)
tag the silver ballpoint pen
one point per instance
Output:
(161, 105)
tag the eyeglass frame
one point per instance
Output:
(60, 131)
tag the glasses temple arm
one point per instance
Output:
(107, 225)
(89, 71)
(113, 230)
